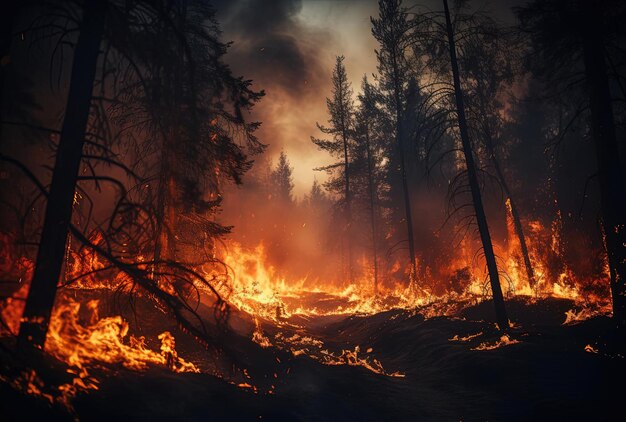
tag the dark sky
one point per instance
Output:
(288, 47)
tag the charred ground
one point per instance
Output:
(544, 370)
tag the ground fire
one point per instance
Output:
(302, 210)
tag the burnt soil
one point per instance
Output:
(548, 375)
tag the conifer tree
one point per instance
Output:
(341, 112)
(282, 179)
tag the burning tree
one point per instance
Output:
(370, 126)
(490, 68)
(433, 33)
(122, 96)
(481, 219)
(189, 107)
(574, 50)
(392, 31)
(58, 212)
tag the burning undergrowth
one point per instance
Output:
(90, 346)
(255, 286)
(270, 310)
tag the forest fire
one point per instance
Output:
(255, 286)
(207, 212)
(83, 340)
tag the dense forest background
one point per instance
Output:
(535, 151)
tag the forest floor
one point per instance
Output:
(441, 369)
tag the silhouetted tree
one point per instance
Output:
(488, 61)
(481, 219)
(58, 212)
(316, 196)
(341, 111)
(368, 136)
(192, 107)
(203, 115)
(573, 46)
(392, 31)
(282, 179)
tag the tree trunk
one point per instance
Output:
(166, 218)
(498, 299)
(610, 175)
(517, 222)
(370, 180)
(407, 205)
(405, 185)
(348, 208)
(40, 301)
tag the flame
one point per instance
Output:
(352, 358)
(504, 340)
(77, 335)
(251, 284)
(258, 336)
(467, 338)
(575, 316)
(87, 341)
(102, 340)
(256, 287)
(84, 270)
(590, 349)
(315, 348)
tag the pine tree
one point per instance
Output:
(282, 179)
(392, 31)
(477, 202)
(316, 197)
(368, 135)
(341, 111)
(204, 148)
(197, 137)
(488, 72)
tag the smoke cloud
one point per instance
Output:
(288, 58)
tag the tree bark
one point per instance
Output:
(610, 175)
(407, 204)
(49, 262)
(348, 207)
(405, 185)
(481, 219)
(370, 179)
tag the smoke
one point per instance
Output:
(275, 47)
(287, 57)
